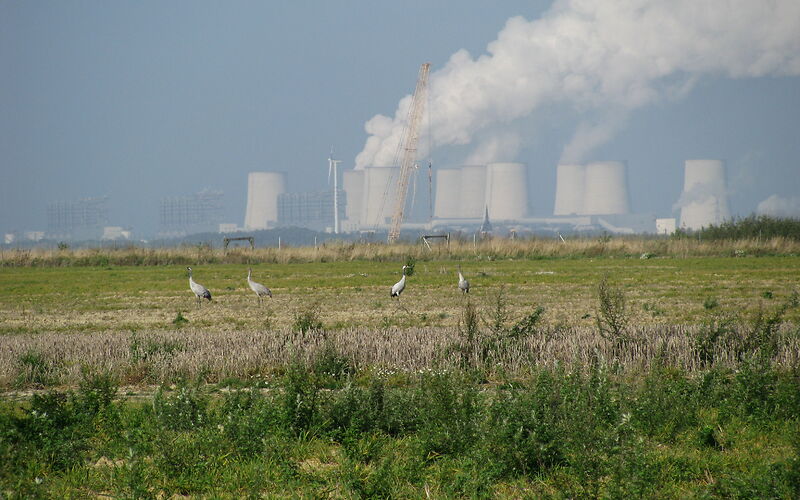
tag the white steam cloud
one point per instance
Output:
(777, 206)
(609, 56)
(700, 193)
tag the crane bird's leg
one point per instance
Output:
(401, 306)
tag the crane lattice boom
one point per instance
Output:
(409, 145)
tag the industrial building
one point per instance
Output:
(79, 219)
(313, 210)
(379, 194)
(591, 197)
(198, 213)
(263, 189)
(704, 200)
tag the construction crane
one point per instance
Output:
(409, 148)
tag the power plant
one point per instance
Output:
(605, 189)
(379, 194)
(704, 200)
(588, 198)
(473, 190)
(448, 193)
(197, 213)
(507, 191)
(263, 189)
(570, 183)
(353, 184)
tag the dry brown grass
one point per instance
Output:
(155, 357)
(499, 248)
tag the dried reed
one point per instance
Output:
(337, 251)
(157, 356)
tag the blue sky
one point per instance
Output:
(143, 100)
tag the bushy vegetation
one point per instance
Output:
(675, 378)
(753, 227)
(565, 431)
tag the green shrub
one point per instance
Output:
(246, 418)
(522, 430)
(179, 320)
(299, 400)
(183, 409)
(96, 391)
(527, 326)
(715, 331)
(53, 432)
(330, 367)
(307, 320)
(448, 415)
(763, 334)
(665, 405)
(36, 369)
(612, 315)
(752, 227)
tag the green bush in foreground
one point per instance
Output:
(560, 432)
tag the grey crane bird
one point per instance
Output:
(463, 284)
(398, 287)
(260, 289)
(199, 290)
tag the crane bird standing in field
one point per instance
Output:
(463, 284)
(398, 287)
(260, 289)
(199, 290)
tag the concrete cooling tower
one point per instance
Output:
(473, 191)
(704, 200)
(353, 185)
(263, 189)
(448, 193)
(605, 189)
(569, 189)
(507, 191)
(380, 188)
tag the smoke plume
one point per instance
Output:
(606, 56)
(777, 206)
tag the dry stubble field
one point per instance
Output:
(77, 316)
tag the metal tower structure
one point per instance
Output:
(409, 147)
(332, 168)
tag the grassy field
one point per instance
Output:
(116, 384)
(356, 293)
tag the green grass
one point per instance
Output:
(408, 399)
(101, 298)
(581, 432)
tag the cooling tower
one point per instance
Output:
(380, 187)
(263, 189)
(473, 191)
(704, 200)
(507, 191)
(569, 189)
(353, 184)
(448, 192)
(605, 189)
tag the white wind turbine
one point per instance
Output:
(333, 168)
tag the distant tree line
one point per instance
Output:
(751, 227)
